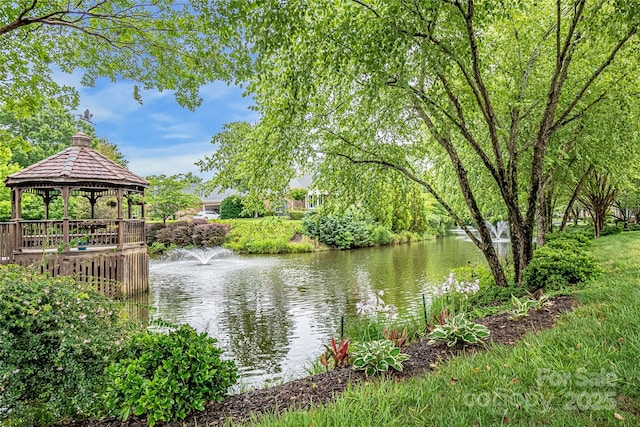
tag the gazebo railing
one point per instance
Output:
(134, 231)
(49, 234)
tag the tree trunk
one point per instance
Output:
(544, 215)
(574, 197)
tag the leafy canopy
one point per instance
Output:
(158, 43)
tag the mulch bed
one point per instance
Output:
(323, 388)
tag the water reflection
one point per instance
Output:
(272, 314)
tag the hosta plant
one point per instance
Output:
(520, 307)
(458, 329)
(378, 356)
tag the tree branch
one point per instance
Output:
(597, 73)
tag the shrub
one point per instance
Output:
(568, 240)
(214, 234)
(167, 376)
(382, 235)
(342, 232)
(197, 232)
(56, 338)
(552, 268)
(157, 248)
(609, 230)
(296, 215)
(151, 229)
(231, 207)
(378, 356)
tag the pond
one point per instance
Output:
(273, 313)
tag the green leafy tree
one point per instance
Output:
(231, 207)
(468, 99)
(169, 194)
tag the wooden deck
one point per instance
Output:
(115, 259)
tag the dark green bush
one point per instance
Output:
(167, 376)
(296, 214)
(554, 267)
(157, 248)
(342, 232)
(609, 230)
(568, 240)
(231, 207)
(56, 338)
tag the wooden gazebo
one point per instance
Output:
(115, 257)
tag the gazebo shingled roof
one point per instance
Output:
(78, 164)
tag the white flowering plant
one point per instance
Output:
(373, 316)
(452, 295)
(375, 306)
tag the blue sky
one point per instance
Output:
(159, 136)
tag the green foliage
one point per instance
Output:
(563, 261)
(157, 45)
(157, 248)
(457, 329)
(269, 235)
(572, 238)
(296, 215)
(375, 357)
(381, 235)
(167, 376)
(56, 338)
(520, 307)
(343, 232)
(609, 230)
(169, 194)
(297, 193)
(231, 207)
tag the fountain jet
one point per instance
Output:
(204, 255)
(500, 231)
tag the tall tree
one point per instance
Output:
(444, 92)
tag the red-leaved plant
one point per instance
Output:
(338, 352)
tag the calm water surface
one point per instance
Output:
(272, 314)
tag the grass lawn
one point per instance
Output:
(269, 235)
(583, 372)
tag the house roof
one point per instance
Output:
(78, 165)
(219, 194)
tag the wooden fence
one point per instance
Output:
(115, 269)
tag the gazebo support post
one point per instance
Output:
(65, 218)
(16, 216)
(120, 219)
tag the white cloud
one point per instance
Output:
(169, 159)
